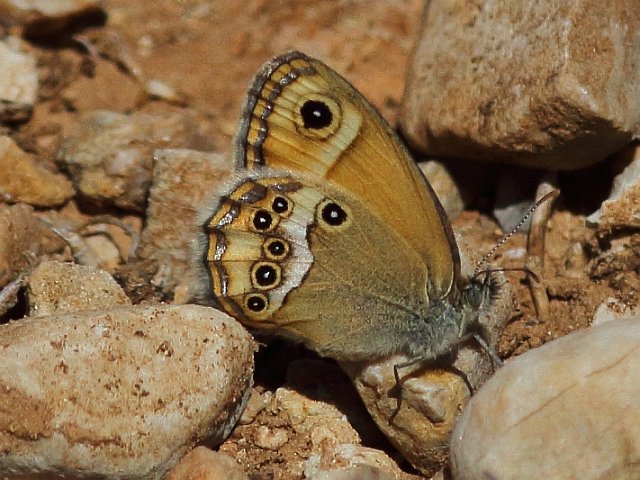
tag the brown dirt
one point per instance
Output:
(209, 51)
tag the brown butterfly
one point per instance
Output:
(329, 233)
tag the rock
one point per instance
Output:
(326, 381)
(158, 89)
(56, 288)
(22, 239)
(122, 92)
(110, 156)
(204, 464)
(418, 415)
(613, 309)
(290, 429)
(10, 296)
(353, 462)
(24, 181)
(183, 182)
(622, 208)
(18, 82)
(321, 422)
(120, 393)
(257, 402)
(444, 187)
(42, 17)
(106, 251)
(430, 400)
(515, 193)
(482, 87)
(563, 410)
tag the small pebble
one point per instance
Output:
(204, 464)
(110, 155)
(24, 181)
(270, 438)
(41, 17)
(18, 82)
(323, 423)
(444, 187)
(622, 208)
(352, 462)
(22, 239)
(57, 287)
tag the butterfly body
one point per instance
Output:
(328, 233)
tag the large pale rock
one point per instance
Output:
(184, 181)
(23, 180)
(121, 393)
(57, 287)
(568, 409)
(548, 84)
(110, 155)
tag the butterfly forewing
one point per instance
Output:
(301, 116)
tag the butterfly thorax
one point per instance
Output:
(450, 321)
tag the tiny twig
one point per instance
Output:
(536, 250)
(505, 238)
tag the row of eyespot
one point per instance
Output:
(332, 213)
(267, 275)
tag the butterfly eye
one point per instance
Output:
(276, 249)
(333, 214)
(265, 275)
(316, 114)
(256, 302)
(280, 205)
(262, 220)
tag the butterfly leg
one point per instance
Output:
(398, 385)
(496, 361)
(493, 356)
(433, 362)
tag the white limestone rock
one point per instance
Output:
(568, 409)
(120, 393)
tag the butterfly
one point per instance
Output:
(328, 233)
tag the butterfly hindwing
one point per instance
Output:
(275, 251)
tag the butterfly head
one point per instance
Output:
(478, 294)
(477, 299)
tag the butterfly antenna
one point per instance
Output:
(505, 238)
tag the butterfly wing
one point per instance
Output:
(310, 262)
(301, 116)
